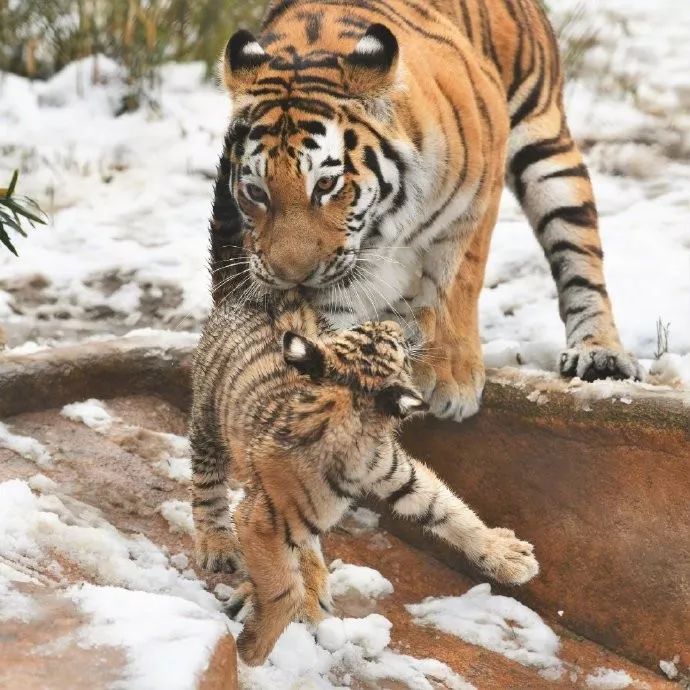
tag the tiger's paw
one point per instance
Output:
(594, 362)
(217, 551)
(453, 386)
(506, 558)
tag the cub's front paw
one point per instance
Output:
(506, 558)
(217, 551)
(593, 362)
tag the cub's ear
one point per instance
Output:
(371, 66)
(242, 60)
(303, 354)
(400, 402)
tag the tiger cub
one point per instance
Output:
(306, 419)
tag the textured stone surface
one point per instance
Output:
(601, 488)
(127, 366)
(599, 484)
(117, 472)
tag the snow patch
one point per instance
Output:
(179, 516)
(670, 668)
(371, 634)
(29, 448)
(364, 518)
(498, 623)
(14, 605)
(346, 578)
(91, 412)
(671, 370)
(153, 629)
(344, 651)
(37, 529)
(608, 679)
(42, 484)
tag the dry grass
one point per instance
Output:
(38, 38)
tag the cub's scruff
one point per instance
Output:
(306, 418)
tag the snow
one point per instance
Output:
(371, 634)
(608, 679)
(223, 591)
(38, 529)
(126, 247)
(365, 519)
(91, 412)
(670, 668)
(672, 370)
(179, 516)
(342, 651)
(153, 629)
(180, 561)
(346, 578)
(498, 623)
(42, 484)
(14, 606)
(28, 448)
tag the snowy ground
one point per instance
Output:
(145, 598)
(129, 197)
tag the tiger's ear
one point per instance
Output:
(400, 402)
(304, 355)
(371, 66)
(242, 61)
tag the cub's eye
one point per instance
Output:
(326, 185)
(256, 194)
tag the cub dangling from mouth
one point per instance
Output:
(306, 418)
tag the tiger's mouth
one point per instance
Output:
(340, 272)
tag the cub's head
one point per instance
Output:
(318, 163)
(371, 359)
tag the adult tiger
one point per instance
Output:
(366, 158)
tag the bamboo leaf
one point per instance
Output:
(13, 184)
(5, 239)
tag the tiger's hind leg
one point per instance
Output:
(550, 180)
(216, 543)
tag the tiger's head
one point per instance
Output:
(318, 161)
(371, 359)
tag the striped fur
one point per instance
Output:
(366, 158)
(305, 418)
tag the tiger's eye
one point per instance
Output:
(256, 194)
(326, 184)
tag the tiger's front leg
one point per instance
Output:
(451, 372)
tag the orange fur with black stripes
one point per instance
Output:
(305, 418)
(366, 158)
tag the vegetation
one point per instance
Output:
(663, 334)
(16, 212)
(38, 38)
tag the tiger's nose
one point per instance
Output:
(292, 264)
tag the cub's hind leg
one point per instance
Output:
(414, 492)
(272, 563)
(317, 599)
(216, 543)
